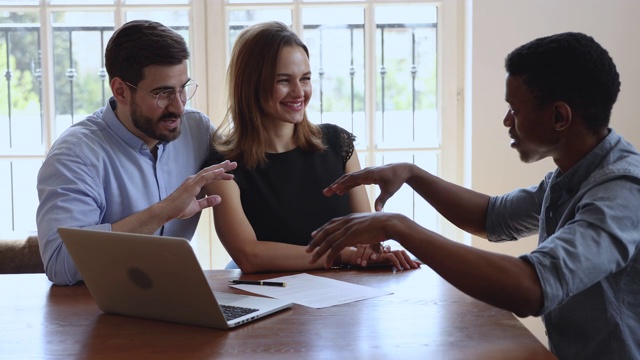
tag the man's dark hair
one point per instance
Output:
(569, 67)
(140, 43)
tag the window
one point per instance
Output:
(385, 70)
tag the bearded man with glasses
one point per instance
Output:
(135, 165)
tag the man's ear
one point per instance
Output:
(562, 116)
(121, 91)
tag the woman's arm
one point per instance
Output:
(251, 255)
(239, 239)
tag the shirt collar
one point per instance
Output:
(573, 179)
(135, 143)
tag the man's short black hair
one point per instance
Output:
(570, 67)
(140, 43)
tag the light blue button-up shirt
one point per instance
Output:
(98, 173)
(588, 254)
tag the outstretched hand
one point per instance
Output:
(380, 254)
(388, 177)
(183, 202)
(354, 229)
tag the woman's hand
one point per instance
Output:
(377, 255)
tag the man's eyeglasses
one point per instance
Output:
(165, 97)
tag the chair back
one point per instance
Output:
(20, 256)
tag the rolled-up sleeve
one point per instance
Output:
(601, 239)
(516, 214)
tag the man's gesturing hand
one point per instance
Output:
(388, 177)
(183, 202)
(350, 230)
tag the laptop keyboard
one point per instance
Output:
(234, 312)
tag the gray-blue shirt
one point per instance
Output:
(588, 258)
(98, 172)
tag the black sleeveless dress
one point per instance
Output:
(283, 200)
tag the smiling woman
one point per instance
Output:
(284, 161)
(292, 90)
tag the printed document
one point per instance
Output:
(314, 291)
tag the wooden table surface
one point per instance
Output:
(424, 318)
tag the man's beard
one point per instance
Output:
(147, 125)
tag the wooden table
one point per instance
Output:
(425, 318)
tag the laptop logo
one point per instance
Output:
(140, 278)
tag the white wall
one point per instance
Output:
(499, 26)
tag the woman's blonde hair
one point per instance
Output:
(250, 82)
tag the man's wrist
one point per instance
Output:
(158, 211)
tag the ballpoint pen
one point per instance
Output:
(259, 282)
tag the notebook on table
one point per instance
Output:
(157, 277)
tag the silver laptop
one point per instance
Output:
(157, 277)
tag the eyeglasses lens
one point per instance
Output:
(185, 94)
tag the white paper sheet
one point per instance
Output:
(314, 291)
